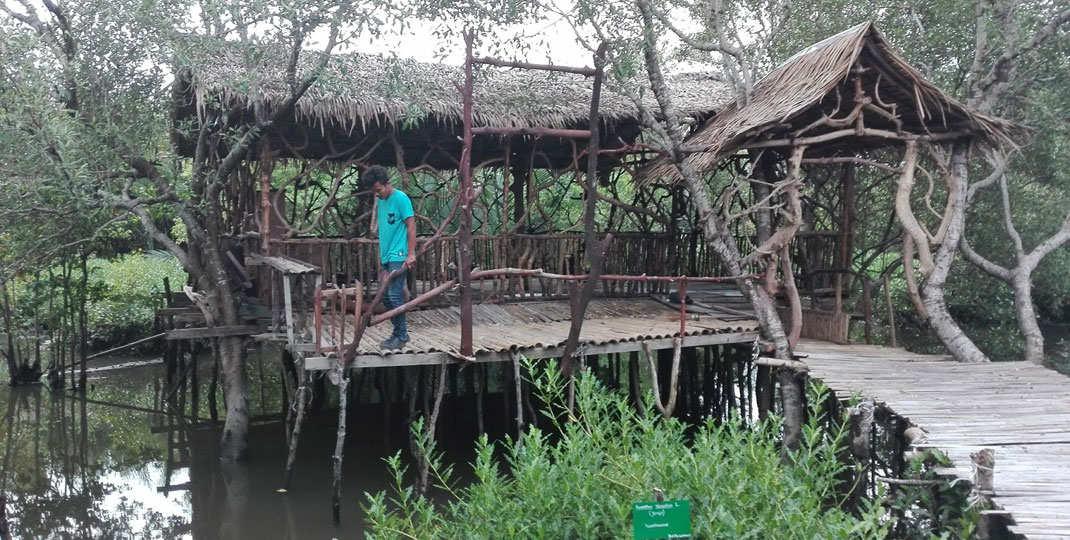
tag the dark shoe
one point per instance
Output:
(393, 342)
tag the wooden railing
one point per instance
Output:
(347, 261)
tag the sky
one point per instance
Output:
(420, 43)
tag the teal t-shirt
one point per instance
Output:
(393, 236)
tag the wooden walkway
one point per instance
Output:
(1019, 410)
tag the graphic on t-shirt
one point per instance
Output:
(391, 218)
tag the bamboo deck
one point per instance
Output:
(1019, 410)
(539, 330)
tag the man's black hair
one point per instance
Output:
(375, 174)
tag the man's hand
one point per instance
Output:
(410, 261)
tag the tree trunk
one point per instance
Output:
(83, 330)
(932, 291)
(715, 231)
(236, 428)
(1027, 317)
(9, 334)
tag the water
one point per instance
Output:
(120, 464)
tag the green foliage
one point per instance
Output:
(940, 510)
(580, 481)
(127, 291)
(1060, 359)
(122, 296)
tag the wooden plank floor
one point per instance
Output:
(1019, 410)
(539, 330)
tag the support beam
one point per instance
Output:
(587, 72)
(339, 444)
(466, 196)
(533, 132)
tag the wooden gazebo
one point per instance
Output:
(510, 266)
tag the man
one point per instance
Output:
(397, 245)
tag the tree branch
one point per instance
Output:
(981, 262)
(706, 46)
(1053, 242)
(1008, 219)
(989, 89)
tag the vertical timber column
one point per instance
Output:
(595, 251)
(847, 181)
(266, 164)
(264, 273)
(464, 244)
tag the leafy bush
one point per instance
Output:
(125, 293)
(581, 482)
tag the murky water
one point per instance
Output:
(123, 463)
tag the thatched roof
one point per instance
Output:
(804, 87)
(360, 93)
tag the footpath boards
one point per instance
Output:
(661, 519)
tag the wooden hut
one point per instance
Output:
(846, 104)
(496, 167)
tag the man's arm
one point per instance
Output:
(410, 227)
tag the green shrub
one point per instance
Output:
(125, 293)
(582, 484)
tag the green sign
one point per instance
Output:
(655, 520)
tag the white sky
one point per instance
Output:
(420, 43)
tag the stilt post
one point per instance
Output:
(339, 443)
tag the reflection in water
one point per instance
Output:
(148, 468)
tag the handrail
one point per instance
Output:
(336, 299)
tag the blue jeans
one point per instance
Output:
(395, 297)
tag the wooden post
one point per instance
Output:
(793, 400)
(519, 396)
(633, 380)
(847, 224)
(839, 292)
(299, 415)
(481, 373)
(890, 308)
(595, 250)
(432, 421)
(867, 309)
(665, 408)
(984, 463)
(861, 424)
(763, 387)
(339, 443)
(287, 298)
(464, 234)
(265, 195)
(169, 324)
